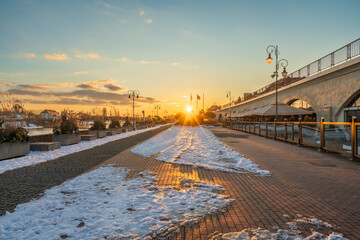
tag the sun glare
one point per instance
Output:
(189, 109)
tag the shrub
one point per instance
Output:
(127, 123)
(115, 124)
(98, 125)
(67, 126)
(307, 118)
(10, 133)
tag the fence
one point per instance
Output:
(340, 137)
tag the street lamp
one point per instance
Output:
(228, 95)
(132, 95)
(157, 107)
(270, 49)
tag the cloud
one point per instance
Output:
(11, 74)
(148, 20)
(148, 62)
(94, 84)
(80, 73)
(142, 13)
(184, 31)
(175, 64)
(29, 55)
(56, 56)
(42, 86)
(86, 86)
(113, 87)
(124, 59)
(83, 96)
(87, 55)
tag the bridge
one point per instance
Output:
(330, 86)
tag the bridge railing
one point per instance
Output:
(340, 137)
(339, 56)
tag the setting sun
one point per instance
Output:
(189, 109)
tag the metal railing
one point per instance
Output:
(339, 56)
(340, 137)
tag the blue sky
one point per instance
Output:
(89, 53)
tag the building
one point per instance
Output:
(49, 114)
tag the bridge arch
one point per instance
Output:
(351, 107)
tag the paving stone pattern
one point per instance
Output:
(23, 184)
(303, 181)
(296, 186)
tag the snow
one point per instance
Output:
(35, 157)
(284, 234)
(103, 203)
(198, 147)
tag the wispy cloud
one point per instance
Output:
(113, 87)
(185, 32)
(56, 56)
(95, 85)
(43, 86)
(80, 73)
(29, 55)
(79, 97)
(175, 63)
(124, 59)
(148, 20)
(148, 62)
(142, 13)
(87, 55)
(11, 74)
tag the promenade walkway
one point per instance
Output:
(303, 181)
(23, 184)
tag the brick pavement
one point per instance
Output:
(303, 181)
(23, 184)
(328, 190)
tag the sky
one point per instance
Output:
(58, 54)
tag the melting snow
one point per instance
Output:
(35, 157)
(198, 147)
(102, 204)
(282, 234)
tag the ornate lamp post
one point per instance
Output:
(228, 95)
(132, 95)
(270, 49)
(157, 107)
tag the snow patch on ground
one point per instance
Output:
(198, 147)
(285, 234)
(103, 204)
(35, 157)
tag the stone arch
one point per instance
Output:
(220, 119)
(348, 102)
(290, 101)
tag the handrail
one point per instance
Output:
(281, 133)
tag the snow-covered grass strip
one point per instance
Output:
(198, 147)
(103, 204)
(35, 157)
(327, 232)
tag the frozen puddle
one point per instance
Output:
(198, 147)
(35, 157)
(327, 231)
(103, 204)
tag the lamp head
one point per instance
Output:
(269, 59)
(129, 97)
(284, 73)
(137, 96)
